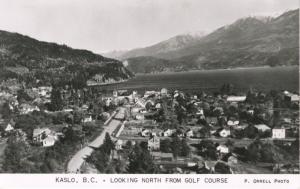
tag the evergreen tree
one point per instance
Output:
(176, 146)
(185, 149)
(56, 100)
(108, 145)
(140, 161)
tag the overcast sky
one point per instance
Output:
(105, 25)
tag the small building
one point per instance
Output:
(189, 133)
(49, 141)
(236, 98)
(9, 128)
(225, 133)
(223, 149)
(161, 156)
(40, 134)
(278, 133)
(262, 127)
(164, 92)
(168, 132)
(139, 117)
(87, 119)
(145, 132)
(27, 108)
(233, 122)
(118, 144)
(158, 106)
(154, 143)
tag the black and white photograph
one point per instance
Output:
(149, 87)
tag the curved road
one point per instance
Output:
(78, 159)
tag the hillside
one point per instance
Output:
(31, 60)
(248, 42)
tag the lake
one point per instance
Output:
(262, 78)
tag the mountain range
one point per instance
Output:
(248, 42)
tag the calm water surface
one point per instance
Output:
(264, 78)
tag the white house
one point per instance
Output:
(236, 98)
(158, 106)
(9, 128)
(233, 122)
(139, 117)
(223, 149)
(119, 144)
(87, 119)
(163, 91)
(154, 143)
(168, 132)
(145, 132)
(40, 134)
(262, 127)
(189, 133)
(278, 133)
(26, 108)
(49, 141)
(225, 133)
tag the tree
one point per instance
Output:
(14, 154)
(165, 146)
(207, 149)
(185, 148)
(222, 168)
(176, 146)
(23, 96)
(100, 159)
(140, 161)
(254, 151)
(56, 100)
(108, 145)
(5, 110)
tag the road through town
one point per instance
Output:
(78, 159)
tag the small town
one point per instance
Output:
(48, 129)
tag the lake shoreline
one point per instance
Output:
(219, 69)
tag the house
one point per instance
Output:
(223, 149)
(200, 112)
(154, 143)
(150, 93)
(232, 160)
(212, 120)
(158, 106)
(87, 119)
(115, 93)
(236, 98)
(49, 141)
(233, 122)
(278, 133)
(189, 133)
(164, 92)
(27, 108)
(139, 117)
(290, 97)
(161, 156)
(225, 133)
(9, 128)
(168, 132)
(156, 132)
(145, 132)
(262, 127)
(40, 134)
(118, 144)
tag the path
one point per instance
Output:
(78, 159)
